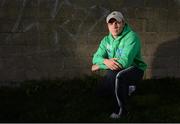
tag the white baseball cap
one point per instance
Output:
(116, 15)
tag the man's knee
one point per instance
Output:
(111, 74)
(109, 81)
(121, 76)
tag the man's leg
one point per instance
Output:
(106, 87)
(123, 78)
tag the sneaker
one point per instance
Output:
(132, 89)
(117, 116)
(114, 116)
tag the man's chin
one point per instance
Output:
(116, 34)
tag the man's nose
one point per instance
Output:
(114, 25)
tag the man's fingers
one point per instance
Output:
(115, 67)
(112, 64)
(116, 63)
(113, 60)
(95, 68)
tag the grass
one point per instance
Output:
(60, 100)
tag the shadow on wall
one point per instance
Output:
(166, 62)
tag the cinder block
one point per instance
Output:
(169, 48)
(11, 51)
(83, 4)
(46, 8)
(15, 72)
(48, 40)
(86, 52)
(30, 25)
(1, 63)
(156, 26)
(15, 39)
(135, 12)
(163, 13)
(31, 38)
(65, 37)
(147, 74)
(11, 4)
(173, 26)
(159, 72)
(133, 3)
(79, 13)
(156, 20)
(165, 37)
(31, 3)
(95, 26)
(156, 3)
(3, 38)
(165, 62)
(178, 63)
(10, 13)
(44, 13)
(10, 26)
(92, 49)
(66, 12)
(173, 4)
(149, 38)
(47, 69)
(150, 50)
(73, 27)
(29, 13)
(152, 13)
(66, 51)
(149, 61)
(178, 16)
(137, 24)
(48, 25)
(173, 72)
(96, 38)
(71, 63)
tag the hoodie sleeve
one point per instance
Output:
(130, 50)
(100, 54)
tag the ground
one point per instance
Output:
(60, 100)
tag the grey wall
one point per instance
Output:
(57, 38)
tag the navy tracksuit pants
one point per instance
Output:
(117, 84)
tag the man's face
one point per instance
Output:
(115, 27)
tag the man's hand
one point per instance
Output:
(95, 68)
(112, 64)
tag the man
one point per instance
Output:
(119, 53)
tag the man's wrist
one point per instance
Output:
(104, 61)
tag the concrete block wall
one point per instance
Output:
(48, 39)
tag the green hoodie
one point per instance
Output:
(126, 47)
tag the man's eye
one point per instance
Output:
(111, 22)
